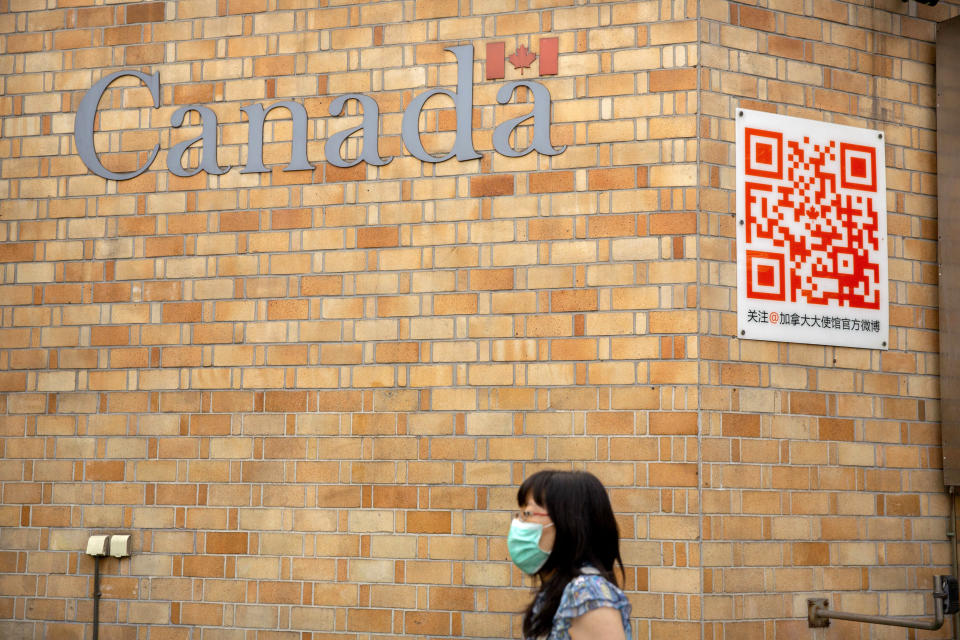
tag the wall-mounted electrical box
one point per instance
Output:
(98, 545)
(120, 546)
(117, 546)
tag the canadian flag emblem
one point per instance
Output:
(522, 58)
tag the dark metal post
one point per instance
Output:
(96, 597)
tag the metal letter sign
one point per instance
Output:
(811, 232)
(87, 115)
(367, 133)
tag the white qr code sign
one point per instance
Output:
(811, 232)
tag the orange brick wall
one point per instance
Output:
(821, 465)
(309, 396)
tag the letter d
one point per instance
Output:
(463, 104)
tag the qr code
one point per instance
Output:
(812, 216)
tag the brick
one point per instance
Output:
(146, 54)
(455, 304)
(491, 185)
(573, 300)
(287, 310)
(239, 221)
(370, 237)
(285, 401)
(673, 223)
(603, 179)
(672, 322)
(226, 543)
(193, 94)
(145, 12)
(273, 65)
(13, 381)
(122, 35)
(491, 279)
(612, 226)
(95, 17)
(551, 182)
(672, 423)
(21, 43)
(428, 522)
(814, 403)
(755, 18)
(673, 80)
(398, 352)
(17, 252)
(104, 471)
(836, 429)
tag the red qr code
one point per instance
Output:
(812, 220)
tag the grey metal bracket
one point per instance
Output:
(944, 602)
(815, 620)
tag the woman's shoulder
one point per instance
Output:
(589, 591)
(591, 587)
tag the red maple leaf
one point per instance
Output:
(522, 58)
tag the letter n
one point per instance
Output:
(256, 114)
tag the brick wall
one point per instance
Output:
(821, 465)
(309, 395)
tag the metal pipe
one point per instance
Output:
(955, 549)
(96, 597)
(944, 595)
(820, 611)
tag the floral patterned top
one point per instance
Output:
(584, 593)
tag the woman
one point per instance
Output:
(566, 535)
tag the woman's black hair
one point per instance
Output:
(587, 534)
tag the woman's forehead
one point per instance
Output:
(530, 500)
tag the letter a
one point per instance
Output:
(369, 153)
(208, 134)
(541, 121)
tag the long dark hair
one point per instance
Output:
(587, 534)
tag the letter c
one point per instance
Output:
(87, 113)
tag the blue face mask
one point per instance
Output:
(523, 543)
